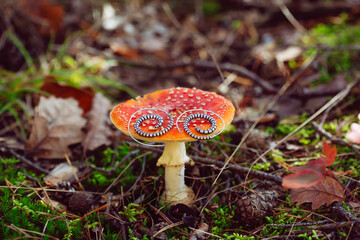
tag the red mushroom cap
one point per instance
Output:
(174, 101)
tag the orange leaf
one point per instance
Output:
(326, 192)
(330, 153)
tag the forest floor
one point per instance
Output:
(287, 167)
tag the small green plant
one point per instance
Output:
(313, 236)
(131, 211)
(237, 236)
(262, 166)
(221, 217)
(72, 228)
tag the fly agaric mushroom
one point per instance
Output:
(174, 116)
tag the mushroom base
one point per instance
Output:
(175, 189)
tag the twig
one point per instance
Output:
(340, 210)
(122, 172)
(285, 10)
(299, 224)
(320, 225)
(230, 67)
(294, 234)
(74, 172)
(309, 61)
(334, 139)
(123, 229)
(117, 165)
(314, 94)
(331, 226)
(224, 67)
(233, 167)
(25, 231)
(317, 113)
(138, 178)
(244, 170)
(199, 232)
(167, 228)
(108, 201)
(28, 162)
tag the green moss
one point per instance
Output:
(220, 217)
(111, 158)
(334, 35)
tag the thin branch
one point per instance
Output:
(232, 167)
(224, 67)
(341, 211)
(117, 165)
(230, 67)
(28, 162)
(285, 10)
(309, 61)
(139, 177)
(299, 224)
(334, 139)
(244, 170)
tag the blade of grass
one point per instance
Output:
(17, 42)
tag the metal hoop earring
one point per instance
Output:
(150, 116)
(201, 131)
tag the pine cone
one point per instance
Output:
(253, 207)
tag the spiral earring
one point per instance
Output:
(150, 116)
(201, 131)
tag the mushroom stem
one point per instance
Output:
(173, 159)
(174, 155)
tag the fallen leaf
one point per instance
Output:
(48, 16)
(325, 192)
(98, 130)
(61, 173)
(122, 49)
(57, 124)
(330, 153)
(312, 172)
(317, 165)
(304, 179)
(84, 96)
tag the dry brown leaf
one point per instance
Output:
(98, 127)
(47, 15)
(61, 173)
(57, 124)
(325, 192)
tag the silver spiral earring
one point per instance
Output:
(201, 131)
(150, 116)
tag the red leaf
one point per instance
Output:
(303, 179)
(330, 153)
(317, 165)
(327, 191)
(49, 16)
